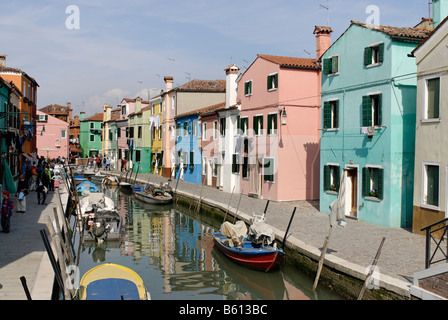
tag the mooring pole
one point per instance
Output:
(372, 269)
(322, 257)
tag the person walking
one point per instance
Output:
(42, 188)
(107, 164)
(7, 206)
(22, 192)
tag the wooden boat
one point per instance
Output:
(97, 176)
(79, 179)
(153, 198)
(86, 185)
(102, 226)
(110, 181)
(95, 201)
(111, 281)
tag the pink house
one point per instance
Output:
(280, 122)
(52, 136)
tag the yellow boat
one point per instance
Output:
(111, 281)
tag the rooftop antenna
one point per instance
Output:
(309, 54)
(328, 14)
(188, 76)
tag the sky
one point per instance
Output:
(104, 51)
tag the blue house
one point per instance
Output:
(188, 154)
(368, 123)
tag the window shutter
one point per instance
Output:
(246, 88)
(335, 64)
(327, 115)
(381, 52)
(269, 123)
(256, 125)
(365, 182)
(380, 184)
(327, 66)
(367, 56)
(269, 82)
(380, 109)
(326, 178)
(336, 114)
(336, 177)
(276, 80)
(191, 158)
(366, 111)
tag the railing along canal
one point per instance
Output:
(440, 228)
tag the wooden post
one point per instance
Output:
(64, 244)
(322, 257)
(200, 197)
(372, 267)
(228, 206)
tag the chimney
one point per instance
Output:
(231, 85)
(323, 40)
(168, 83)
(82, 115)
(440, 11)
(70, 110)
(138, 104)
(107, 114)
(3, 60)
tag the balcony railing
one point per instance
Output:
(436, 233)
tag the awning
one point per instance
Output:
(9, 180)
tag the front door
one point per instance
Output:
(352, 192)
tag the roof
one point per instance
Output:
(205, 110)
(430, 35)
(398, 33)
(96, 117)
(202, 86)
(5, 69)
(290, 62)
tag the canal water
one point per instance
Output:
(174, 255)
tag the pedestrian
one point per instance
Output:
(123, 165)
(33, 184)
(56, 179)
(98, 162)
(107, 164)
(51, 184)
(22, 192)
(7, 206)
(42, 188)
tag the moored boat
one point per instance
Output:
(79, 179)
(102, 226)
(95, 201)
(111, 281)
(97, 176)
(86, 185)
(110, 181)
(149, 194)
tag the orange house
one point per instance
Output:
(27, 105)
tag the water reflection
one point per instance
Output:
(175, 256)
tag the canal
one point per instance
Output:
(173, 253)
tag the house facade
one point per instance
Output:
(368, 123)
(52, 136)
(91, 135)
(279, 125)
(155, 118)
(431, 158)
(139, 137)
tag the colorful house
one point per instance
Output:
(110, 132)
(190, 96)
(91, 134)
(140, 137)
(280, 115)
(431, 157)
(368, 123)
(52, 136)
(156, 134)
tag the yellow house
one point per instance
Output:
(155, 125)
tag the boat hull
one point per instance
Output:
(264, 258)
(146, 197)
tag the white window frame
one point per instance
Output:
(194, 129)
(425, 98)
(204, 131)
(273, 84)
(251, 88)
(204, 166)
(375, 45)
(275, 131)
(424, 186)
(63, 134)
(215, 129)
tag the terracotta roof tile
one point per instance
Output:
(203, 85)
(403, 33)
(96, 117)
(205, 110)
(290, 62)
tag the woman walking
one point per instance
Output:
(22, 191)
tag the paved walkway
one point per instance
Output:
(352, 248)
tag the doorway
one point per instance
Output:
(351, 187)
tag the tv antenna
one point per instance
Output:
(188, 76)
(308, 53)
(328, 12)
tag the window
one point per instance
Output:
(373, 182)
(153, 133)
(432, 99)
(131, 132)
(244, 125)
(123, 110)
(215, 130)
(269, 169)
(235, 163)
(431, 174)
(222, 127)
(110, 135)
(40, 117)
(137, 155)
(371, 110)
(258, 125)
(153, 109)
(139, 132)
(374, 54)
(185, 159)
(160, 132)
(177, 129)
(248, 88)
(272, 123)
(215, 167)
(92, 138)
(331, 65)
(245, 167)
(92, 125)
(194, 129)
(186, 128)
(272, 81)
(204, 131)
(63, 134)
(204, 166)
(191, 160)
(331, 114)
(331, 178)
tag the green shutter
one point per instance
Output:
(255, 125)
(269, 82)
(367, 56)
(380, 178)
(380, 109)
(336, 114)
(235, 165)
(246, 88)
(381, 52)
(327, 180)
(337, 179)
(191, 158)
(276, 80)
(269, 123)
(335, 64)
(245, 165)
(327, 115)
(327, 66)
(269, 169)
(366, 111)
(365, 182)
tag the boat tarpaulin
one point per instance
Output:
(235, 232)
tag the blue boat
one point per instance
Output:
(86, 185)
(79, 179)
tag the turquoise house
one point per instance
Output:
(91, 135)
(369, 87)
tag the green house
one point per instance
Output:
(91, 130)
